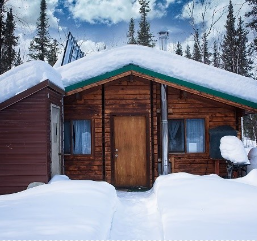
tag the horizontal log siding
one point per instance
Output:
(86, 105)
(126, 96)
(185, 105)
(24, 138)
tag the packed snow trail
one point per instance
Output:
(137, 217)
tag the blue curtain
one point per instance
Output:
(176, 135)
(81, 137)
(195, 135)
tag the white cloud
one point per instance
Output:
(113, 11)
(27, 13)
(90, 46)
(216, 10)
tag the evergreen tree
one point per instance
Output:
(229, 43)
(9, 43)
(53, 52)
(131, 32)
(196, 51)
(18, 60)
(179, 50)
(206, 53)
(2, 30)
(144, 36)
(39, 46)
(253, 19)
(188, 53)
(216, 55)
(243, 66)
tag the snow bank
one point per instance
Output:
(162, 62)
(206, 208)
(232, 149)
(58, 178)
(65, 210)
(26, 76)
(250, 178)
(252, 156)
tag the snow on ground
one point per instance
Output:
(137, 217)
(180, 206)
(206, 207)
(60, 210)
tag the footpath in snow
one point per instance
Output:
(136, 217)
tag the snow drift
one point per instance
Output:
(65, 210)
(207, 207)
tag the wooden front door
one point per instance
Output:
(129, 152)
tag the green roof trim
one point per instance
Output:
(154, 74)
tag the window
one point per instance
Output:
(186, 135)
(77, 137)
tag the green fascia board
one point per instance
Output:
(132, 67)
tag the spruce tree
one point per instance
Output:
(53, 53)
(2, 30)
(196, 51)
(131, 32)
(216, 55)
(18, 60)
(39, 46)
(9, 43)
(206, 53)
(229, 43)
(179, 50)
(243, 66)
(144, 35)
(188, 53)
(252, 15)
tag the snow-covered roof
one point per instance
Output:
(25, 76)
(165, 65)
(160, 62)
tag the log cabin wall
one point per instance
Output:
(127, 96)
(133, 95)
(86, 105)
(24, 141)
(185, 105)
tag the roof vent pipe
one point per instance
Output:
(163, 37)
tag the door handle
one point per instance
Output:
(116, 155)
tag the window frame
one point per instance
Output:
(185, 118)
(72, 135)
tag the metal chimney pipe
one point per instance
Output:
(163, 37)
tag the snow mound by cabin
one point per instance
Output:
(232, 149)
(250, 178)
(162, 62)
(25, 76)
(63, 210)
(208, 207)
(252, 156)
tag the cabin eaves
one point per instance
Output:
(131, 69)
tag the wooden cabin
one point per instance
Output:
(112, 120)
(124, 121)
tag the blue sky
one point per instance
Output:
(94, 22)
